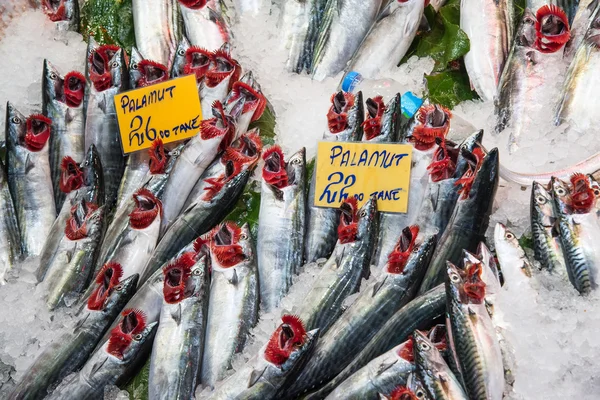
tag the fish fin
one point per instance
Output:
(385, 367)
(234, 279)
(255, 376)
(69, 256)
(471, 312)
(378, 286)
(177, 314)
(96, 367)
(29, 165)
(69, 115)
(80, 323)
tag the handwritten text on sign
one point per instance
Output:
(168, 110)
(363, 169)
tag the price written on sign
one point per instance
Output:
(168, 110)
(361, 170)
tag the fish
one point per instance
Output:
(64, 13)
(344, 123)
(157, 26)
(114, 363)
(389, 38)
(222, 73)
(245, 102)
(581, 83)
(63, 104)
(205, 25)
(10, 240)
(399, 283)
(79, 182)
(489, 26)
(276, 364)
(69, 351)
(516, 268)
(382, 124)
(472, 335)
(107, 76)
(342, 274)
(280, 238)
(196, 156)
(547, 245)
(71, 269)
(538, 40)
(438, 379)
(180, 59)
(221, 187)
(417, 314)
(234, 300)
(29, 177)
(294, 24)
(581, 21)
(179, 342)
(470, 218)
(380, 376)
(344, 25)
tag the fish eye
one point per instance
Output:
(181, 52)
(53, 76)
(419, 393)
(509, 235)
(138, 337)
(597, 192)
(296, 161)
(454, 277)
(561, 191)
(134, 66)
(541, 200)
(114, 64)
(363, 213)
(424, 346)
(118, 288)
(196, 271)
(16, 120)
(243, 236)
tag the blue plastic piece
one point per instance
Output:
(350, 81)
(410, 104)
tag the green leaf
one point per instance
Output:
(109, 22)
(247, 208)
(310, 167)
(526, 242)
(266, 123)
(449, 88)
(138, 386)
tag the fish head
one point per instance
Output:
(148, 209)
(368, 221)
(484, 182)
(194, 4)
(134, 73)
(225, 248)
(157, 157)
(417, 386)
(179, 60)
(197, 62)
(274, 170)
(37, 132)
(289, 343)
(222, 68)
(199, 274)
(488, 260)
(131, 334)
(110, 289)
(373, 121)
(16, 126)
(405, 245)
(552, 28)
(474, 264)
(221, 126)
(401, 393)
(506, 242)
(442, 166)
(541, 205)
(561, 195)
(469, 144)
(465, 286)
(71, 175)
(247, 148)
(427, 356)
(526, 35)
(84, 220)
(74, 88)
(437, 335)
(344, 113)
(432, 121)
(246, 98)
(52, 83)
(176, 278)
(405, 350)
(592, 36)
(103, 62)
(583, 198)
(348, 226)
(151, 72)
(60, 10)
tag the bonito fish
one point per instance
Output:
(223, 71)
(157, 26)
(382, 124)
(63, 104)
(29, 177)
(205, 26)
(10, 240)
(64, 13)
(389, 38)
(516, 268)
(245, 103)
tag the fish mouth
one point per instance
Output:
(288, 337)
(433, 122)
(552, 28)
(147, 208)
(274, 171)
(55, 10)
(225, 247)
(76, 226)
(176, 277)
(71, 175)
(38, 132)
(99, 68)
(74, 88)
(337, 116)
(214, 185)
(107, 279)
(372, 125)
(474, 287)
(583, 197)
(221, 67)
(402, 392)
(475, 160)
(254, 101)
(442, 166)
(398, 258)
(246, 150)
(198, 62)
(194, 4)
(157, 157)
(129, 329)
(152, 72)
(406, 351)
(221, 125)
(348, 226)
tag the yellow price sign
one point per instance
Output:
(361, 170)
(168, 110)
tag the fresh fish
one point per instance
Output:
(180, 59)
(280, 240)
(114, 363)
(581, 22)
(222, 73)
(345, 24)
(233, 304)
(382, 124)
(70, 271)
(489, 28)
(179, 342)
(70, 351)
(521, 87)
(157, 26)
(470, 218)
(29, 177)
(472, 335)
(221, 188)
(581, 83)
(342, 274)
(245, 103)
(64, 13)
(544, 228)
(417, 314)
(85, 182)
(405, 269)
(295, 23)
(389, 39)
(107, 76)
(63, 104)
(195, 61)
(274, 367)
(380, 376)
(196, 156)
(516, 268)
(205, 26)
(10, 240)
(344, 123)
(437, 377)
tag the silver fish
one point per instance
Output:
(64, 13)
(205, 25)
(179, 342)
(233, 304)
(29, 177)
(516, 268)
(280, 240)
(345, 24)
(179, 60)
(112, 364)
(389, 39)
(63, 104)
(579, 26)
(382, 124)
(157, 26)
(10, 240)
(222, 73)
(245, 103)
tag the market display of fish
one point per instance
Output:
(204, 24)
(222, 72)
(157, 25)
(245, 103)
